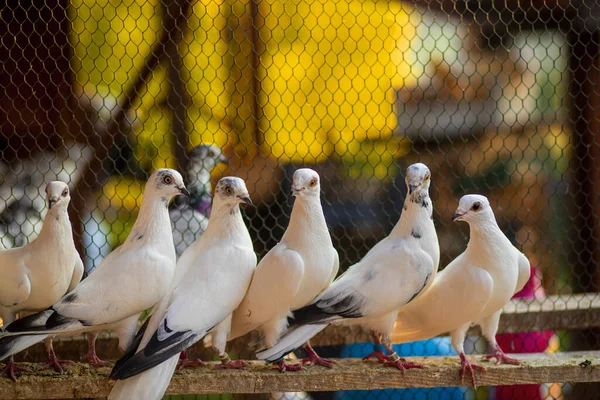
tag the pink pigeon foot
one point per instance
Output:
(93, 359)
(466, 365)
(11, 370)
(285, 367)
(379, 355)
(402, 364)
(237, 364)
(185, 362)
(55, 363)
(501, 357)
(314, 359)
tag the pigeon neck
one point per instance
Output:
(307, 216)
(487, 245)
(227, 221)
(486, 234)
(416, 217)
(56, 227)
(153, 225)
(416, 221)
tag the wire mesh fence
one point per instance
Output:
(498, 98)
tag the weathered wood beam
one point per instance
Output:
(348, 374)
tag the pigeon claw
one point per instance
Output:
(502, 358)
(190, 363)
(315, 359)
(184, 362)
(466, 365)
(93, 360)
(11, 370)
(285, 367)
(379, 355)
(237, 364)
(55, 363)
(403, 365)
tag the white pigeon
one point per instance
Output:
(370, 293)
(472, 289)
(211, 279)
(190, 218)
(129, 281)
(35, 276)
(293, 272)
(21, 203)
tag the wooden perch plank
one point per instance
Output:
(348, 374)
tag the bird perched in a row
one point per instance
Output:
(35, 276)
(211, 279)
(216, 288)
(293, 273)
(189, 217)
(130, 280)
(472, 289)
(370, 293)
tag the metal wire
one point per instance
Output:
(498, 98)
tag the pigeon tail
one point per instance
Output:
(12, 345)
(155, 352)
(149, 385)
(290, 341)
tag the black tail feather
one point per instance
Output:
(324, 311)
(58, 321)
(34, 322)
(10, 345)
(155, 353)
(6, 345)
(130, 352)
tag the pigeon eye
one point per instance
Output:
(229, 190)
(427, 177)
(65, 193)
(312, 183)
(476, 207)
(168, 179)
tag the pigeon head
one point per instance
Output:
(306, 183)
(232, 191)
(167, 183)
(204, 158)
(418, 179)
(58, 195)
(473, 208)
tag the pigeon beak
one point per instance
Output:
(457, 216)
(296, 190)
(184, 191)
(52, 201)
(412, 188)
(246, 199)
(223, 160)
